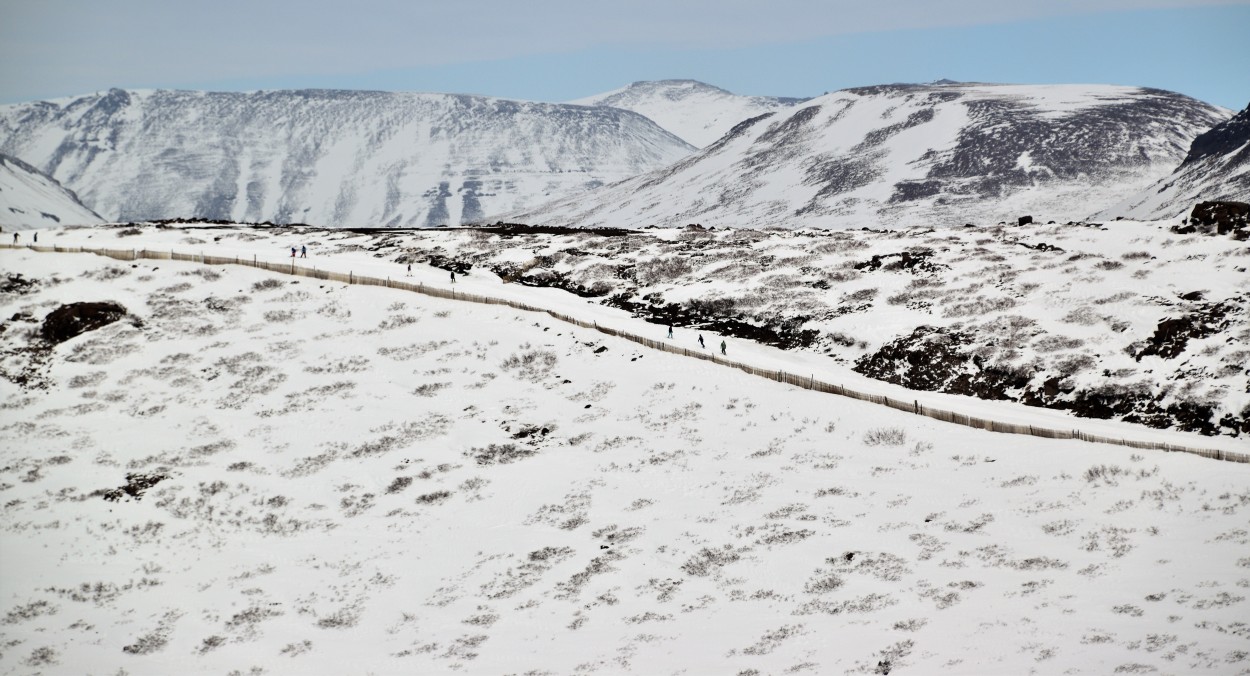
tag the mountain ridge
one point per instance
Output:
(904, 154)
(329, 157)
(694, 111)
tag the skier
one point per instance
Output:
(303, 251)
(453, 276)
(722, 347)
(670, 330)
(701, 344)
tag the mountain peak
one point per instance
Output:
(696, 112)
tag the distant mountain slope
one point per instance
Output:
(338, 158)
(898, 155)
(1216, 168)
(698, 113)
(29, 199)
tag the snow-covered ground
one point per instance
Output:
(352, 479)
(1118, 321)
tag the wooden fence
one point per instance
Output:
(805, 382)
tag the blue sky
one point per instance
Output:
(555, 50)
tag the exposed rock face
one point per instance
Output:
(903, 155)
(324, 157)
(1173, 335)
(1216, 169)
(75, 319)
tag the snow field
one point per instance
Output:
(358, 480)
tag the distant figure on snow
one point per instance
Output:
(303, 251)
(722, 347)
(670, 330)
(292, 252)
(36, 237)
(453, 276)
(15, 238)
(701, 344)
(410, 269)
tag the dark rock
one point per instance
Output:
(1024, 220)
(937, 360)
(74, 319)
(1225, 216)
(1173, 335)
(17, 285)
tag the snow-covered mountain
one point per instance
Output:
(30, 199)
(338, 158)
(1216, 168)
(899, 155)
(698, 113)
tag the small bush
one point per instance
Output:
(499, 454)
(268, 284)
(885, 436)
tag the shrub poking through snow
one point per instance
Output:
(499, 454)
(885, 436)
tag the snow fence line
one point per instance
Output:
(805, 382)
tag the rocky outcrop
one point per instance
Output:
(76, 319)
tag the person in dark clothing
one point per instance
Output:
(303, 251)
(292, 252)
(670, 330)
(701, 344)
(453, 276)
(722, 347)
(410, 269)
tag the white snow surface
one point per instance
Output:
(905, 155)
(363, 480)
(696, 112)
(325, 157)
(30, 199)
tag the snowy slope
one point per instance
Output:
(697, 113)
(1127, 321)
(360, 480)
(1216, 168)
(899, 155)
(336, 158)
(30, 199)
